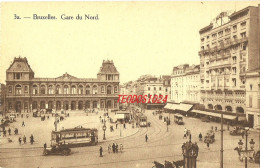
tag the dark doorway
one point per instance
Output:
(251, 120)
(18, 106)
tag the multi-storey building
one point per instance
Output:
(229, 53)
(2, 98)
(167, 86)
(25, 92)
(151, 86)
(185, 83)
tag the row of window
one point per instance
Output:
(66, 89)
(225, 41)
(227, 31)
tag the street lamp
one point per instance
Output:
(252, 143)
(104, 129)
(246, 151)
(240, 144)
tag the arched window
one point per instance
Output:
(42, 89)
(80, 89)
(115, 104)
(87, 89)
(94, 104)
(102, 89)
(58, 89)
(73, 89)
(25, 89)
(109, 89)
(66, 89)
(35, 89)
(116, 89)
(50, 89)
(18, 89)
(95, 90)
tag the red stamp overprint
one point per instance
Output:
(142, 99)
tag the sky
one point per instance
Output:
(140, 37)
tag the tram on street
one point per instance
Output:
(143, 121)
(178, 119)
(75, 137)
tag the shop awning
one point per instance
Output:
(185, 107)
(182, 107)
(225, 116)
(168, 106)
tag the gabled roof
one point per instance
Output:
(108, 67)
(67, 76)
(20, 65)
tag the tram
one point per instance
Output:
(178, 119)
(143, 121)
(75, 137)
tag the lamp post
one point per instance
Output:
(104, 129)
(246, 151)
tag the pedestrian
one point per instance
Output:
(121, 148)
(9, 131)
(146, 138)
(100, 151)
(31, 139)
(20, 140)
(44, 145)
(243, 133)
(116, 125)
(23, 125)
(208, 144)
(216, 128)
(109, 148)
(114, 147)
(24, 139)
(228, 127)
(124, 126)
(4, 133)
(200, 137)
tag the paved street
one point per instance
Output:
(161, 145)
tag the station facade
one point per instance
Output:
(26, 93)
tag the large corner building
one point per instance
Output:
(25, 92)
(230, 64)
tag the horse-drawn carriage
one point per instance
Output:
(237, 131)
(210, 137)
(167, 164)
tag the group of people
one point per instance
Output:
(24, 140)
(114, 147)
(9, 131)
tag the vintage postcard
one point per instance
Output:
(130, 84)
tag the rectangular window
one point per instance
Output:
(234, 27)
(250, 100)
(25, 89)
(10, 89)
(18, 76)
